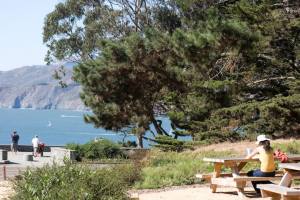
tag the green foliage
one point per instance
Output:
(73, 182)
(290, 148)
(165, 169)
(219, 69)
(78, 148)
(278, 117)
(101, 149)
(167, 143)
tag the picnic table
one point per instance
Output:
(283, 189)
(235, 178)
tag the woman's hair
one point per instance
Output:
(266, 145)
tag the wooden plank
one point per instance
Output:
(204, 176)
(241, 165)
(243, 159)
(224, 182)
(294, 157)
(215, 160)
(273, 195)
(290, 198)
(217, 172)
(279, 189)
(235, 170)
(230, 160)
(290, 166)
(286, 180)
(252, 178)
(208, 176)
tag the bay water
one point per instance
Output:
(55, 127)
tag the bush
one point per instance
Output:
(78, 148)
(102, 149)
(73, 182)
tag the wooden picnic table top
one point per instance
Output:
(223, 160)
(293, 157)
(292, 166)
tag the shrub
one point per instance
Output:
(101, 149)
(73, 182)
(78, 148)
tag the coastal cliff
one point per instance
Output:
(34, 87)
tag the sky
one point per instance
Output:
(21, 29)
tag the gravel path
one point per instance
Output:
(6, 190)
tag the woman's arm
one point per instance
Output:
(254, 152)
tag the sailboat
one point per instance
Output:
(49, 124)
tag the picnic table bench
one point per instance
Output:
(235, 178)
(283, 190)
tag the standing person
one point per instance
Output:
(35, 144)
(266, 158)
(14, 141)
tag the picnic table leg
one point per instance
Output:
(273, 196)
(290, 198)
(217, 172)
(286, 179)
(241, 166)
(241, 184)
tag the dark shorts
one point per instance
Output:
(258, 173)
(14, 146)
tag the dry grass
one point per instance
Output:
(238, 147)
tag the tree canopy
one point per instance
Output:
(220, 70)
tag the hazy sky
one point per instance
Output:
(21, 27)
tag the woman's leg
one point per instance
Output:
(259, 173)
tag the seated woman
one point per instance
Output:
(266, 157)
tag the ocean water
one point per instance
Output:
(54, 127)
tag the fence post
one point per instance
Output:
(4, 172)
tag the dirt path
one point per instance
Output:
(195, 192)
(6, 190)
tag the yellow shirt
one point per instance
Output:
(266, 160)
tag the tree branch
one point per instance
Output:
(271, 79)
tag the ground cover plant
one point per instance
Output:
(74, 182)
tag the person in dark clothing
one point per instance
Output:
(14, 141)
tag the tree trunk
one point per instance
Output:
(139, 139)
(158, 127)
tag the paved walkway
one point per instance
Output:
(17, 163)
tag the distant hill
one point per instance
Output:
(34, 87)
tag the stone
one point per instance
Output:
(3, 154)
(28, 157)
